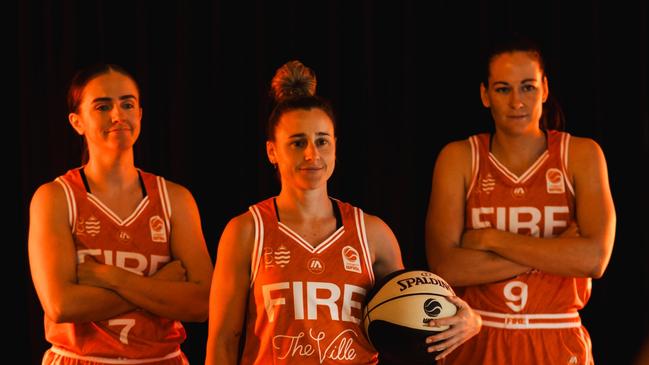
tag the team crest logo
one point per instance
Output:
(282, 256)
(91, 226)
(316, 266)
(351, 259)
(157, 228)
(487, 183)
(554, 181)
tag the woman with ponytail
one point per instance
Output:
(521, 220)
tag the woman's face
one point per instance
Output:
(304, 148)
(516, 92)
(109, 114)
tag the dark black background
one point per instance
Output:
(403, 78)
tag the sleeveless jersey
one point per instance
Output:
(531, 318)
(140, 244)
(304, 305)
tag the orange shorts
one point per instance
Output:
(57, 356)
(525, 344)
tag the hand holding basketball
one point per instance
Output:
(463, 325)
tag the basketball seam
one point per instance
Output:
(394, 298)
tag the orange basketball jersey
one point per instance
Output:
(138, 243)
(305, 300)
(523, 316)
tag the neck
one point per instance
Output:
(106, 173)
(304, 205)
(510, 145)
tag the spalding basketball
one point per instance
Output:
(396, 313)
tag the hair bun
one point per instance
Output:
(293, 80)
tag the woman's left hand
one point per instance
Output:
(465, 324)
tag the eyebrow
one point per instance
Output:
(522, 82)
(107, 99)
(300, 135)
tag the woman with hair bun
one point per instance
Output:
(295, 269)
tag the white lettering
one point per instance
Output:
(349, 303)
(340, 348)
(120, 258)
(269, 302)
(516, 224)
(551, 221)
(314, 301)
(520, 220)
(298, 300)
(317, 294)
(156, 260)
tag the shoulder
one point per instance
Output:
(179, 195)
(49, 205)
(51, 193)
(580, 146)
(456, 153)
(584, 151)
(238, 237)
(375, 224)
(457, 149)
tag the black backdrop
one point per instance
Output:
(403, 77)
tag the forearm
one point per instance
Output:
(221, 351)
(463, 267)
(82, 303)
(180, 300)
(567, 256)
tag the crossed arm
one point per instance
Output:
(72, 292)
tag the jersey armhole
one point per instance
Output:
(565, 145)
(71, 203)
(258, 245)
(362, 238)
(475, 164)
(164, 200)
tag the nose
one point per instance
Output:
(311, 152)
(515, 101)
(116, 114)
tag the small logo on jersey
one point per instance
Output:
(282, 256)
(268, 257)
(315, 266)
(518, 192)
(487, 183)
(124, 237)
(351, 259)
(157, 227)
(554, 181)
(91, 226)
(432, 307)
(573, 360)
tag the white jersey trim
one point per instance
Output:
(108, 360)
(529, 321)
(565, 143)
(362, 238)
(164, 199)
(258, 244)
(72, 203)
(475, 163)
(526, 175)
(114, 217)
(304, 243)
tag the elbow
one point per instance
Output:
(599, 264)
(199, 312)
(597, 271)
(56, 312)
